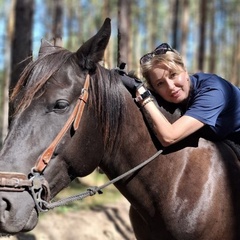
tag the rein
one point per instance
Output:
(36, 183)
(93, 190)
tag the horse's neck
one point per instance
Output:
(134, 135)
(138, 141)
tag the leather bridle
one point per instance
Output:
(35, 182)
(74, 119)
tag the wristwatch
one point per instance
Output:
(144, 93)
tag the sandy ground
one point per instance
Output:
(109, 222)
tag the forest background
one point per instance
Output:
(205, 32)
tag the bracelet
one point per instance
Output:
(146, 102)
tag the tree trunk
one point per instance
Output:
(57, 19)
(108, 51)
(21, 48)
(235, 61)
(175, 24)
(6, 75)
(151, 24)
(123, 34)
(184, 27)
(202, 33)
(22, 39)
(212, 58)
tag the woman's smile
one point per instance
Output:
(176, 94)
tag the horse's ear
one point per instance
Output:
(92, 51)
(47, 46)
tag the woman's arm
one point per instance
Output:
(166, 132)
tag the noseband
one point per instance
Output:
(35, 182)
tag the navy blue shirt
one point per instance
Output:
(215, 102)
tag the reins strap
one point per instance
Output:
(75, 118)
(93, 190)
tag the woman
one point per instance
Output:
(206, 100)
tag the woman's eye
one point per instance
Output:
(61, 105)
(159, 84)
(173, 75)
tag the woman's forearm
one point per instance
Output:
(166, 132)
(162, 128)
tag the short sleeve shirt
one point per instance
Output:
(215, 102)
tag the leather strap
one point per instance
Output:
(74, 119)
(12, 181)
(83, 98)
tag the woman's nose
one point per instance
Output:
(170, 84)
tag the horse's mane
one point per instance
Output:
(109, 103)
(104, 96)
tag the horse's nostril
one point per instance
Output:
(6, 203)
(12, 219)
(5, 208)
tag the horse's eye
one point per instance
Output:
(61, 105)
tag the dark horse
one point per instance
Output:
(189, 192)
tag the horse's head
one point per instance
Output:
(47, 103)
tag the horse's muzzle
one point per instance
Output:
(37, 185)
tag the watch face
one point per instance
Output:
(142, 89)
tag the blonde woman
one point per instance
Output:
(206, 100)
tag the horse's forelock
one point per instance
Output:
(36, 74)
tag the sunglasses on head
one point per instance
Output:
(161, 49)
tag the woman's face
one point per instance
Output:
(171, 86)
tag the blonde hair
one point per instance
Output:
(171, 59)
